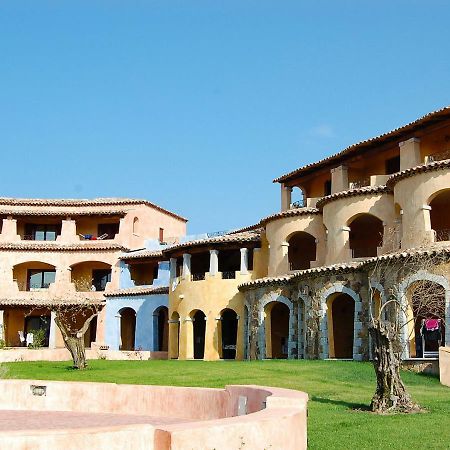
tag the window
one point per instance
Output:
(161, 235)
(393, 165)
(40, 279)
(327, 188)
(110, 229)
(38, 232)
(100, 277)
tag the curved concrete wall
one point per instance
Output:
(274, 418)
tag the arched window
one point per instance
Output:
(136, 226)
(440, 218)
(199, 325)
(302, 250)
(366, 235)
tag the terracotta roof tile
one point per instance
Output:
(49, 302)
(83, 203)
(56, 246)
(138, 290)
(291, 213)
(246, 236)
(430, 167)
(366, 190)
(142, 254)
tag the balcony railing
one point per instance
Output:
(442, 156)
(359, 183)
(364, 252)
(442, 235)
(298, 204)
(198, 276)
(228, 275)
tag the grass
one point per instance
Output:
(339, 391)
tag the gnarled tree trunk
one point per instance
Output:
(74, 341)
(391, 394)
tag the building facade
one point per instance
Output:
(65, 252)
(308, 295)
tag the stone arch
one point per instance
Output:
(422, 275)
(90, 275)
(127, 328)
(324, 331)
(161, 329)
(30, 275)
(273, 298)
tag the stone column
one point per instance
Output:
(339, 179)
(186, 266)
(187, 339)
(284, 264)
(286, 197)
(244, 261)
(211, 340)
(53, 326)
(173, 268)
(213, 262)
(118, 318)
(410, 153)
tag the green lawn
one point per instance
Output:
(336, 389)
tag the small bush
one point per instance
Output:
(38, 339)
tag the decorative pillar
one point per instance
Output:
(339, 179)
(410, 153)
(52, 337)
(213, 262)
(186, 266)
(212, 340)
(9, 229)
(187, 339)
(285, 265)
(286, 197)
(244, 261)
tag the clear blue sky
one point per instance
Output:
(197, 105)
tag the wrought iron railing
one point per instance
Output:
(228, 275)
(198, 276)
(442, 235)
(217, 233)
(298, 204)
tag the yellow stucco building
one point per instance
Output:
(305, 293)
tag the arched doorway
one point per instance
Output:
(199, 324)
(440, 219)
(426, 316)
(302, 250)
(366, 235)
(228, 333)
(161, 329)
(341, 313)
(174, 336)
(277, 330)
(127, 328)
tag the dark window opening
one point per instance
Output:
(327, 188)
(393, 165)
(161, 235)
(229, 263)
(100, 277)
(36, 323)
(108, 229)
